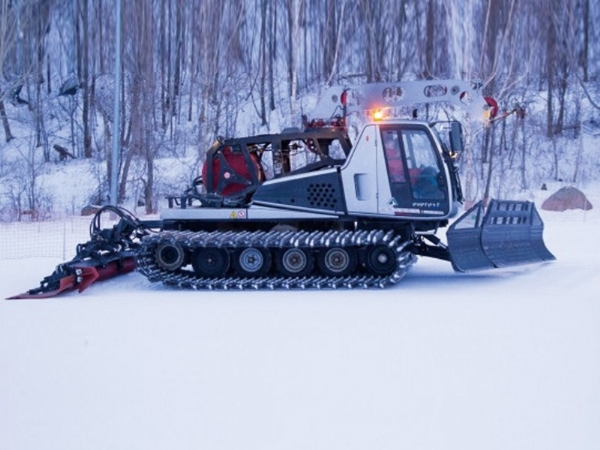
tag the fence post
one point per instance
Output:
(64, 253)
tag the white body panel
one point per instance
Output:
(360, 173)
(250, 213)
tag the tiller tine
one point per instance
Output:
(77, 275)
(509, 233)
(67, 283)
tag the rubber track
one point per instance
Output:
(146, 265)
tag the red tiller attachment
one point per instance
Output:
(108, 253)
(70, 276)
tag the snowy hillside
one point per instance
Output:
(493, 360)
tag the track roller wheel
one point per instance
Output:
(252, 261)
(170, 256)
(295, 262)
(210, 262)
(337, 261)
(381, 260)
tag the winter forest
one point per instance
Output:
(191, 70)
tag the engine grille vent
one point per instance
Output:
(321, 195)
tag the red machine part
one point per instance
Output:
(234, 173)
(493, 104)
(80, 277)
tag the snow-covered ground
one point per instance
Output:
(494, 360)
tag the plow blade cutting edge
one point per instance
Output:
(509, 233)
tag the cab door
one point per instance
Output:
(413, 182)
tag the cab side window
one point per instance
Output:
(423, 165)
(393, 156)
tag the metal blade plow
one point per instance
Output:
(508, 233)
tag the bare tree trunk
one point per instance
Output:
(109, 158)
(164, 65)
(262, 61)
(7, 133)
(555, 160)
(294, 17)
(329, 38)
(48, 77)
(125, 145)
(366, 9)
(580, 147)
(489, 159)
(179, 30)
(87, 136)
(552, 58)
(549, 110)
(100, 40)
(149, 187)
(562, 92)
(524, 181)
(78, 40)
(429, 70)
(126, 164)
(305, 62)
(191, 48)
(335, 55)
(291, 6)
(586, 40)
(400, 22)
(272, 54)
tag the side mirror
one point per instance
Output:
(456, 138)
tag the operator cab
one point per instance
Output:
(401, 168)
